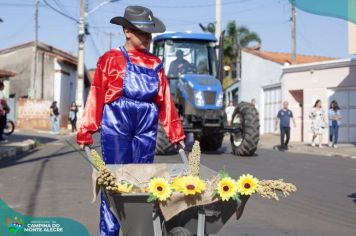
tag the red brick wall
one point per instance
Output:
(34, 114)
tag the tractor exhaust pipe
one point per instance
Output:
(221, 57)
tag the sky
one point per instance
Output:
(270, 19)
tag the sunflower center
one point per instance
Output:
(247, 185)
(190, 187)
(226, 188)
(159, 188)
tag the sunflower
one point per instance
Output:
(247, 184)
(177, 183)
(227, 188)
(159, 188)
(124, 187)
(188, 185)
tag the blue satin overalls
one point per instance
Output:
(129, 128)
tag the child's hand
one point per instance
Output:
(180, 145)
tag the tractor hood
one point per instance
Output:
(202, 91)
(202, 82)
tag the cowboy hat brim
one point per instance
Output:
(156, 27)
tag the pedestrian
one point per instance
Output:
(4, 110)
(284, 115)
(317, 115)
(253, 102)
(229, 110)
(128, 96)
(54, 116)
(334, 123)
(73, 116)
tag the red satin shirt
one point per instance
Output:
(107, 85)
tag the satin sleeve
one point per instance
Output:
(168, 115)
(93, 108)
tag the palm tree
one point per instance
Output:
(230, 41)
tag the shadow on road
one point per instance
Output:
(32, 203)
(353, 197)
(22, 137)
(17, 160)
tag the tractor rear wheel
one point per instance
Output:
(244, 142)
(163, 145)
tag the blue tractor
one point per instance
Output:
(195, 76)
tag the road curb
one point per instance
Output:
(296, 151)
(22, 148)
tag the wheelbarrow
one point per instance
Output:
(138, 217)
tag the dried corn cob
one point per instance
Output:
(194, 160)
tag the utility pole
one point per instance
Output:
(238, 56)
(80, 67)
(217, 18)
(294, 33)
(35, 58)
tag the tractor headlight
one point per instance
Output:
(219, 101)
(199, 98)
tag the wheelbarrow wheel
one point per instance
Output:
(179, 231)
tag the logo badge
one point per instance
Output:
(15, 225)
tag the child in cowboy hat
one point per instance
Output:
(128, 96)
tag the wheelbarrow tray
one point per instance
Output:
(136, 215)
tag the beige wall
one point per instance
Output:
(314, 82)
(352, 38)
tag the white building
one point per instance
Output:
(303, 84)
(55, 80)
(261, 74)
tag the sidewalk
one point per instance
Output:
(272, 141)
(22, 141)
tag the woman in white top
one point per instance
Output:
(317, 115)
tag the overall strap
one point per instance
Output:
(126, 55)
(159, 67)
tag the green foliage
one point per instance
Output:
(151, 197)
(215, 193)
(230, 41)
(223, 174)
(37, 143)
(236, 197)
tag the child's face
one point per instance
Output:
(138, 39)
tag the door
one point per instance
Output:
(346, 98)
(272, 104)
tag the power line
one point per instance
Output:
(197, 5)
(18, 4)
(60, 12)
(95, 46)
(61, 6)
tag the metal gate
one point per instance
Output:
(272, 104)
(346, 99)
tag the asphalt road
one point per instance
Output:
(54, 180)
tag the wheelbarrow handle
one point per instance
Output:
(183, 156)
(89, 156)
(88, 152)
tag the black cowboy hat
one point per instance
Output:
(139, 18)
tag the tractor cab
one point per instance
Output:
(192, 59)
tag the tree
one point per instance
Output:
(230, 41)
